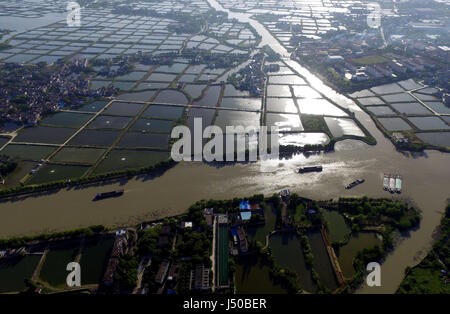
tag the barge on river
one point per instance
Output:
(104, 195)
(355, 183)
(310, 169)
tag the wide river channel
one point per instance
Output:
(426, 184)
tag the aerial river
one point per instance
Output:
(426, 184)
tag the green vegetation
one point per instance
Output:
(431, 276)
(188, 23)
(298, 208)
(22, 241)
(371, 59)
(315, 124)
(367, 255)
(309, 257)
(272, 56)
(195, 244)
(390, 213)
(267, 17)
(126, 272)
(7, 165)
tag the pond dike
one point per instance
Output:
(333, 258)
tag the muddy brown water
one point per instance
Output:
(426, 183)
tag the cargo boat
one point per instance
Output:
(310, 169)
(355, 183)
(398, 183)
(386, 182)
(104, 195)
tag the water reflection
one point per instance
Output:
(302, 139)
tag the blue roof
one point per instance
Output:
(246, 215)
(243, 205)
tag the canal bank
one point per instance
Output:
(425, 176)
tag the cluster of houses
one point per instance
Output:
(251, 77)
(120, 248)
(40, 90)
(13, 252)
(249, 213)
(406, 55)
(168, 271)
(394, 66)
(121, 68)
(343, 57)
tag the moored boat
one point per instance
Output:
(398, 183)
(392, 184)
(386, 182)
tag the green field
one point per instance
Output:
(27, 152)
(372, 59)
(423, 280)
(314, 124)
(49, 173)
(338, 229)
(23, 168)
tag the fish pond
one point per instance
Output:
(13, 271)
(288, 253)
(94, 259)
(53, 270)
(252, 276)
(259, 233)
(356, 243)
